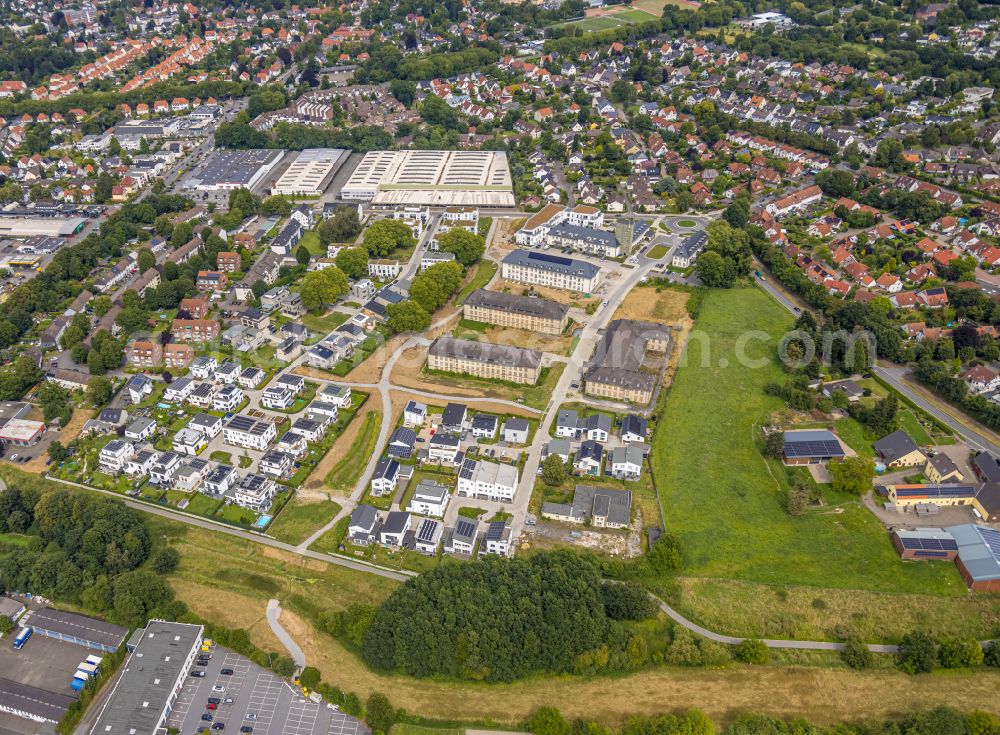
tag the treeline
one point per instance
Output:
(92, 100)
(938, 377)
(83, 550)
(938, 721)
(386, 62)
(502, 619)
(289, 136)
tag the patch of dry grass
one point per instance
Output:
(748, 609)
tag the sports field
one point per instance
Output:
(611, 18)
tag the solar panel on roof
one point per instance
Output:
(813, 449)
(465, 528)
(495, 531)
(426, 530)
(992, 539)
(929, 544)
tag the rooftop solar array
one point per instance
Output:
(813, 448)
(935, 491)
(924, 543)
(465, 528)
(495, 531)
(427, 530)
(991, 537)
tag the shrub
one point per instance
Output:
(857, 655)
(752, 651)
(918, 653)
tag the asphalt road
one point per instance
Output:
(273, 614)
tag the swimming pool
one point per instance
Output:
(163, 405)
(262, 522)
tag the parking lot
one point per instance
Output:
(43, 662)
(255, 698)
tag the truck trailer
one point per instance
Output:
(23, 636)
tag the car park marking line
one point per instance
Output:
(341, 724)
(263, 701)
(301, 718)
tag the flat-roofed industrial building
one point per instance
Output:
(151, 680)
(229, 170)
(32, 703)
(311, 172)
(432, 178)
(73, 628)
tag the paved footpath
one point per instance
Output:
(273, 615)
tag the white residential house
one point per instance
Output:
(165, 468)
(115, 456)
(443, 448)
(462, 539)
(251, 377)
(394, 528)
(276, 463)
(515, 431)
(278, 397)
(141, 463)
(190, 475)
(179, 390)
(140, 429)
(243, 431)
(228, 372)
(626, 463)
(219, 480)
(207, 424)
(385, 478)
(139, 386)
(204, 367)
(190, 441)
(255, 492)
(487, 480)
(414, 414)
(228, 398)
(427, 536)
(497, 539)
(429, 499)
(634, 429)
(363, 527)
(335, 393)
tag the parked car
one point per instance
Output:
(219, 726)
(218, 688)
(207, 717)
(211, 705)
(226, 672)
(213, 700)
(198, 674)
(246, 728)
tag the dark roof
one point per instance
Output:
(79, 626)
(542, 308)
(143, 691)
(812, 443)
(387, 468)
(454, 414)
(516, 424)
(590, 450)
(486, 352)
(895, 445)
(37, 702)
(396, 522)
(484, 421)
(364, 516)
(553, 263)
(403, 435)
(987, 467)
(635, 425)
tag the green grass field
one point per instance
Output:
(657, 251)
(604, 22)
(727, 503)
(484, 273)
(298, 519)
(343, 475)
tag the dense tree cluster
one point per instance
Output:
(289, 136)
(82, 551)
(500, 619)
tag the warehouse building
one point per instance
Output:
(541, 269)
(925, 543)
(811, 446)
(311, 172)
(484, 360)
(230, 170)
(21, 432)
(24, 227)
(432, 178)
(519, 312)
(78, 629)
(978, 556)
(153, 677)
(32, 703)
